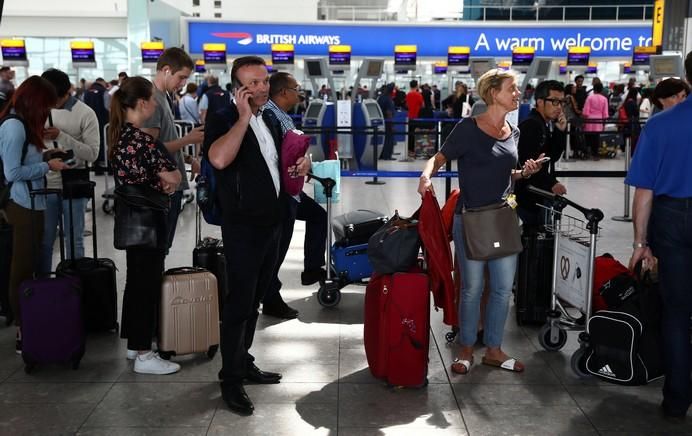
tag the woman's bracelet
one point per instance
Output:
(521, 173)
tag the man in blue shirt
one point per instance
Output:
(662, 215)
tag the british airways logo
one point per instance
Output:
(245, 38)
(242, 37)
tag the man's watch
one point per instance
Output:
(636, 245)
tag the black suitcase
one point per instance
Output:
(208, 254)
(534, 278)
(99, 285)
(356, 227)
(5, 263)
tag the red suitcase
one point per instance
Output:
(397, 328)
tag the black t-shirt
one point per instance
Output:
(484, 163)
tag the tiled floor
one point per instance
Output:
(327, 388)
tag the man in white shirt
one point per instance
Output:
(71, 126)
(242, 143)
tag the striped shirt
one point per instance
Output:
(284, 118)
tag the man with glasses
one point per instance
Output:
(542, 132)
(284, 93)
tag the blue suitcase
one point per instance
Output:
(351, 263)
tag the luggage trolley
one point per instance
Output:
(329, 294)
(573, 272)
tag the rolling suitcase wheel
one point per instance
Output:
(329, 294)
(107, 208)
(166, 355)
(212, 351)
(452, 335)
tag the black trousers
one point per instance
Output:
(316, 227)
(251, 254)
(315, 218)
(142, 294)
(388, 146)
(412, 126)
(592, 142)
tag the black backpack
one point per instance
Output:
(6, 186)
(217, 98)
(624, 344)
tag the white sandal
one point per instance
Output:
(466, 364)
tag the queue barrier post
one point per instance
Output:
(375, 157)
(626, 215)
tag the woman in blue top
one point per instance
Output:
(23, 123)
(485, 147)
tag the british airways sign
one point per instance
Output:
(611, 40)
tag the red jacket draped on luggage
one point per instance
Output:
(439, 258)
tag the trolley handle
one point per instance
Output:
(593, 216)
(327, 183)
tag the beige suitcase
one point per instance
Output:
(189, 317)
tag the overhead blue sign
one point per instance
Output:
(370, 40)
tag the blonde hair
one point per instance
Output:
(492, 80)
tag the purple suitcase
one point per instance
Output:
(52, 326)
(51, 312)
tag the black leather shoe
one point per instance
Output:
(279, 310)
(312, 276)
(236, 399)
(256, 375)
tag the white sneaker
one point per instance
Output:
(151, 363)
(132, 354)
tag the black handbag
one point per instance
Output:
(491, 232)
(395, 246)
(140, 217)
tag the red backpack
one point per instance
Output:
(613, 283)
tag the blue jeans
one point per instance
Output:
(671, 231)
(502, 272)
(50, 231)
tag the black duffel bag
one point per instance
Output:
(140, 217)
(395, 246)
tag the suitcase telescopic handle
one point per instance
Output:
(185, 270)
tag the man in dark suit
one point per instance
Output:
(242, 143)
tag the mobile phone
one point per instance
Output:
(237, 85)
(543, 160)
(63, 155)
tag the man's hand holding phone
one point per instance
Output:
(243, 98)
(195, 136)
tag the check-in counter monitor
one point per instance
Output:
(366, 115)
(319, 115)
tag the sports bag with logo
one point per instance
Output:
(624, 345)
